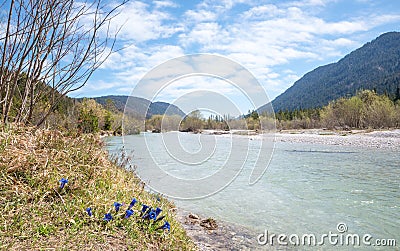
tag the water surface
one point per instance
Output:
(307, 188)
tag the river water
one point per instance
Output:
(307, 188)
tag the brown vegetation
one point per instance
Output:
(37, 214)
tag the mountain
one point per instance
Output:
(140, 106)
(374, 66)
(164, 108)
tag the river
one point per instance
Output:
(307, 188)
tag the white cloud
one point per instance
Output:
(377, 20)
(308, 3)
(270, 35)
(205, 34)
(128, 67)
(200, 16)
(165, 4)
(206, 92)
(138, 63)
(262, 12)
(266, 36)
(339, 42)
(268, 39)
(365, 1)
(141, 23)
(222, 5)
(196, 83)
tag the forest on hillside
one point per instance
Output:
(366, 110)
(374, 66)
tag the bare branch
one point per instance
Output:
(50, 48)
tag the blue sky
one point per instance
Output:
(277, 41)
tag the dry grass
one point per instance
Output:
(37, 214)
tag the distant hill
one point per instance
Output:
(374, 66)
(164, 108)
(138, 106)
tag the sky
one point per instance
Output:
(277, 41)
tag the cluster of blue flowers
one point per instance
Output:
(63, 181)
(146, 212)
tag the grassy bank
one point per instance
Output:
(37, 214)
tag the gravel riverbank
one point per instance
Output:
(389, 139)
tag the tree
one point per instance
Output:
(397, 97)
(49, 48)
(154, 123)
(193, 122)
(366, 110)
(108, 121)
(344, 112)
(93, 116)
(254, 115)
(88, 122)
(380, 113)
(161, 123)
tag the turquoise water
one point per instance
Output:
(307, 188)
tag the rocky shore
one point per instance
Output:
(385, 139)
(209, 234)
(389, 139)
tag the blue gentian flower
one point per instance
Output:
(89, 211)
(128, 213)
(117, 206)
(144, 208)
(133, 202)
(63, 181)
(158, 211)
(166, 226)
(107, 217)
(152, 215)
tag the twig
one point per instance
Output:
(59, 196)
